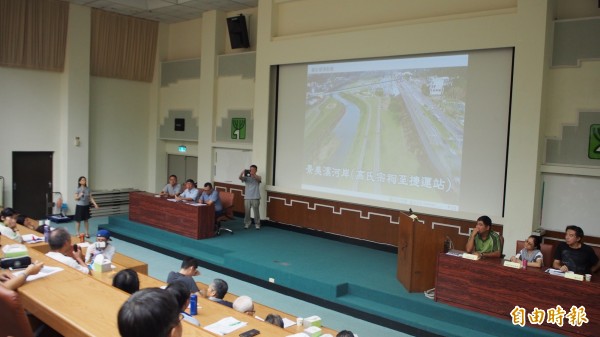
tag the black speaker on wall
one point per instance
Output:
(238, 33)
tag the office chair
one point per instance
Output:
(227, 214)
(13, 315)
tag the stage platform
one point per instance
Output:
(345, 277)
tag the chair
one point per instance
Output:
(546, 250)
(14, 319)
(227, 213)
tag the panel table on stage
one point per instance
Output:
(488, 287)
(191, 220)
(118, 258)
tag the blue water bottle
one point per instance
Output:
(46, 233)
(194, 304)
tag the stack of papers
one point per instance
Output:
(30, 238)
(225, 326)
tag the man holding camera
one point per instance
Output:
(251, 195)
(101, 246)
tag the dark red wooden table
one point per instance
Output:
(488, 287)
(197, 222)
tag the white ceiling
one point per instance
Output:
(167, 11)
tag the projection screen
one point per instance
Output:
(428, 132)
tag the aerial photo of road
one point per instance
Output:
(387, 132)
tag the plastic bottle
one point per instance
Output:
(46, 233)
(194, 304)
(524, 264)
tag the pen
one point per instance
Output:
(236, 323)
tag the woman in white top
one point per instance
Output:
(531, 252)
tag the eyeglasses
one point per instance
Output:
(181, 316)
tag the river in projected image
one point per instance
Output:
(386, 133)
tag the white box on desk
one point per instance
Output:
(15, 250)
(312, 321)
(313, 331)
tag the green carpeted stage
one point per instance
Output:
(350, 278)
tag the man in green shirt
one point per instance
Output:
(483, 241)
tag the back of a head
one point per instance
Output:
(58, 237)
(189, 262)
(150, 312)
(181, 293)
(274, 319)
(220, 287)
(243, 304)
(345, 333)
(127, 280)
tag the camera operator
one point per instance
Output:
(101, 246)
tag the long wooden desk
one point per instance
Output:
(75, 304)
(118, 258)
(211, 312)
(197, 222)
(488, 287)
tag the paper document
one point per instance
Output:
(288, 323)
(225, 326)
(553, 271)
(30, 238)
(46, 271)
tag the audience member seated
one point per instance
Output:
(244, 305)
(127, 280)
(8, 226)
(217, 291)
(574, 255)
(62, 250)
(531, 253)
(182, 295)
(30, 223)
(172, 189)
(274, 319)
(12, 282)
(150, 312)
(211, 196)
(483, 241)
(189, 268)
(345, 333)
(101, 246)
(190, 193)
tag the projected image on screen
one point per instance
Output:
(428, 130)
(387, 128)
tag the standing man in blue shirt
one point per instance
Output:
(252, 195)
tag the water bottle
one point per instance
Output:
(194, 304)
(46, 233)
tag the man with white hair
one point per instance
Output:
(244, 305)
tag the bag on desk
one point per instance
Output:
(16, 262)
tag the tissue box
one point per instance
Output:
(312, 321)
(313, 331)
(15, 250)
(102, 267)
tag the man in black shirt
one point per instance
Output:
(574, 255)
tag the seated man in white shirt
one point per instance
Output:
(101, 246)
(61, 250)
(190, 193)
